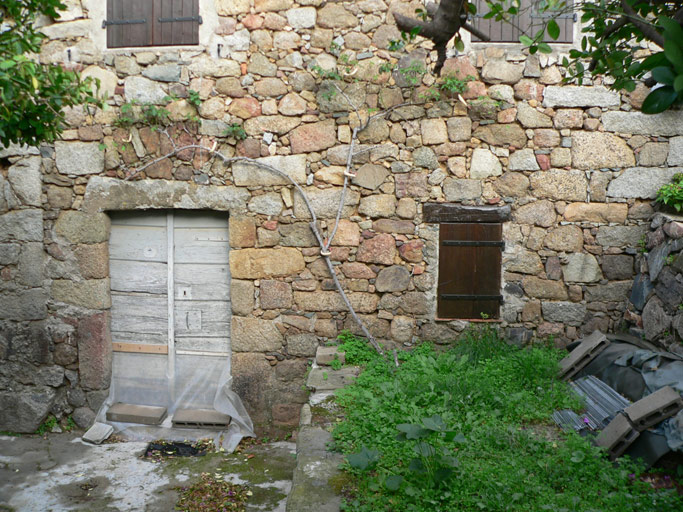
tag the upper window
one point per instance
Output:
(528, 21)
(137, 23)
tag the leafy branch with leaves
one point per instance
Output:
(621, 39)
(33, 95)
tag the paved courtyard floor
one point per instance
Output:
(60, 472)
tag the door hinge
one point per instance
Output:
(106, 23)
(198, 19)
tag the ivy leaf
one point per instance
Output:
(659, 100)
(674, 53)
(663, 75)
(553, 29)
(672, 30)
(678, 83)
(526, 40)
(544, 48)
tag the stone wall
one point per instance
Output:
(577, 165)
(655, 307)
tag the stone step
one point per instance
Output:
(325, 355)
(589, 348)
(652, 409)
(325, 379)
(316, 469)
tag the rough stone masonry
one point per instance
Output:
(578, 165)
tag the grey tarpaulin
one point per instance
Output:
(636, 372)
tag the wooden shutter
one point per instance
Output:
(469, 270)
(528, 22)
(138, 23)
(128, 23)
(176, 22)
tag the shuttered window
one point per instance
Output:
(529, 21)
(136, 23)
(469, 270)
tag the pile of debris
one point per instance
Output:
(632, 394)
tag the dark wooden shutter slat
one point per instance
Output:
(172, 33)
(121, 35)
(469, 270)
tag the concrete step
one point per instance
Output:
(313, 488)
(326, 379)
(325, 355)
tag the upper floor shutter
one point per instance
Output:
(129, 23)
(136, 23)
(528, 21)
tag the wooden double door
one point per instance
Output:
(170, 283)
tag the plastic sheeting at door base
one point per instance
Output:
(198, 382)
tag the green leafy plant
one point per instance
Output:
(413, 73)
(642, 244)
(453, 85)
(193, 98)
(68, 424)
(235, 130)
(336, 364)
(326, 74)
(47, 425)
(671, 194)
(154, 115)
(434, 464)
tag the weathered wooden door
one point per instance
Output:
(170, 283)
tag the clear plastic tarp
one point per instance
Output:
(186, 381)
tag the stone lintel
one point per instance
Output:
(450, 212)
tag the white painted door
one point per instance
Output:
(170, 283)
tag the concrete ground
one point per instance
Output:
(60, 472)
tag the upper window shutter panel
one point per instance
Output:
(129, 23)
(176, 22)
(139, 23)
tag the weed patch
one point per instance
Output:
(450, 432)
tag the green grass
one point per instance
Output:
(475, 435)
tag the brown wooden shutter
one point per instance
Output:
(129, 23)
(138, 23)
(469, 270)
(176, 22)
(528, 21)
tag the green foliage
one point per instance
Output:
(671, 194)
(356, 351)
(47, 425)
(132, 113)
(413, 73)
(336, 364)
(326, 74)
(193, 98)
(453, 85)
(154, 116)
(69, 424)
(472, 425)
(235, 130)
(32, 95)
